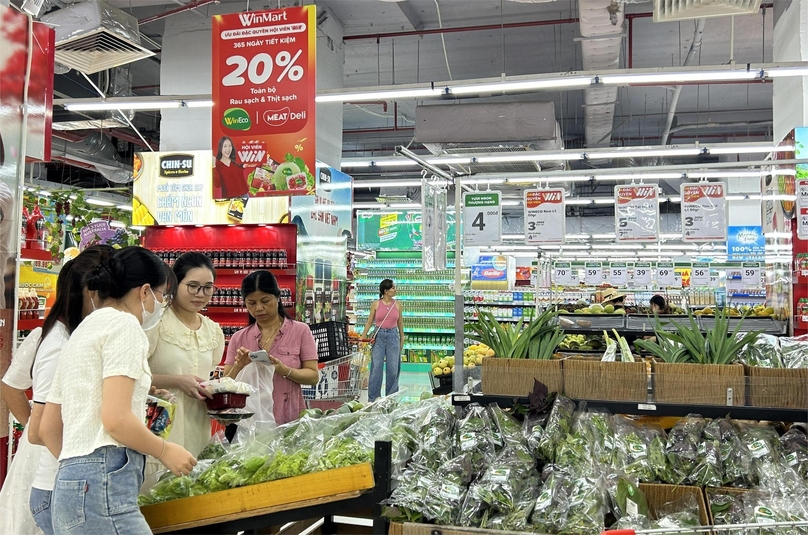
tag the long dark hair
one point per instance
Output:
(233, 155)
(128, 268)
(385, 285)
(191, 260)
(262, 281)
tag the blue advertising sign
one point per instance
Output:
(488, 268)
(746, 243)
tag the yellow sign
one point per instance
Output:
(42, 280)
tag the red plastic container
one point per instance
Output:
(226, 400)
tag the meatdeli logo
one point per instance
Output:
(176, 165)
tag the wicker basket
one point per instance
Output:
(780, 388)
(611, 381)
(699, 384)
(515, 377)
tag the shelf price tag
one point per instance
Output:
(750, 275)
(618, 273)
(545, 218)
(715, 280)
(704, 212)
(802, 208)
(636, 212)
(642, 274)
(562, 274)
(665, 275)
(594, 273)
(482, 218)
(700, 275)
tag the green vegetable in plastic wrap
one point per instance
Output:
(795, 449)
(214, 450)
(597, 428)
(658, 461)
(475, 435)
(342, 452)
(508, 430)
(682, 448)
(736, 460)
(282, 465)
(559, 425)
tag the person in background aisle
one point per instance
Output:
(185, 348)
(658, 305)
(228, 174)
(388, 341)
(95, 412)
(72, 304)
(289, 344)
(16, 516)
(612, 296)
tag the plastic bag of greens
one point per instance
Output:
(570, 502)
(632, 522)
(424, 493)
(517, 519)
(795, 351)
(682, 449)
(170, 487)
(726, 508)
(708, 470)
(763, 443)
(215, 449)
(474, 509)
(658, 459)
(458, 470)
(504, 480)
(533, 430)
(736, 459)
(597, 428)
(235, 469)
(508, 431)
(573, 452)
(406, 502)
(632, 442)
(559, 425)
(680, 513)
(764, 351)
(436, 439)
(627, 500)
(795, 448)
(475, 434)
(766, 509)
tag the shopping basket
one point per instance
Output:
(340, 379)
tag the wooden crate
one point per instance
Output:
(515, 377)
(261, 499)
(611, 381)
(408, 528)
(780, 388)
(699, 384)
(658, 495)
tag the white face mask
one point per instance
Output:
(151, 319)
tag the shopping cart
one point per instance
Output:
(728, 529)
(340, 379)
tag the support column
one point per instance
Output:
(790, 95)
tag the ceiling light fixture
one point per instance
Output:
(393, 94)
(649, 153)
(677, 78)
(603, 236)
(639, 176)
(527, 85)
(123, 104)
(573, 202)
(99, 202)
(577, 236)
(127, 207)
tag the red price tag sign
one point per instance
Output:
(264, 129)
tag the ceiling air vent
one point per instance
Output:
(93, 36)
(668, 10)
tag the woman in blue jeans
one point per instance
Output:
(387, 316)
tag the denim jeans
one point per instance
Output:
(96, 494)
(386, 349)
(40, 504)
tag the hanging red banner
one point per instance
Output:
(264, 85)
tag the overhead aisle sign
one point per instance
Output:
(545, 220)
(636, 211)
(704, 212)
(482, 218)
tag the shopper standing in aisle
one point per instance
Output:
(388, 341)
(185, 348)
(289, 344)
(228, 174)
(94, 418)
(71, 306)
(658, 305)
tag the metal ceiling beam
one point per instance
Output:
(457, 29)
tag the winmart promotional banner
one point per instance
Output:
(263, 103)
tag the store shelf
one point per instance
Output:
(408, 298)
(437, 347)
(27, 325)
(35, 254)
(417, 315)
(290, 271)
(525, 319)
(406, 282)
(418, 330)
(499, 304)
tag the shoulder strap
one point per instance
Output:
(389, 310)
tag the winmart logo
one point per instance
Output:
(249, 19)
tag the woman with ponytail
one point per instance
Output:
(94, 417)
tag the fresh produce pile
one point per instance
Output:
(766, 351)
(757, 508)
(597, 308)
(580, 342)
(760, 311)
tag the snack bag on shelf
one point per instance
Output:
(160, 415)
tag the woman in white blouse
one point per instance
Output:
(95, 412)
(185, 348)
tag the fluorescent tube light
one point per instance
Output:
(117, 224)
(678, 77)
(577, 236)
(781, 72)
(526, 85)
(449, 161)
(570, 202)
(639, 176)
(511, 203)
(380, 95)
(392, 183)
(538, 179)
(674, 246)
(99, 202)
(355, 163)
(676, 200)
(603, 236)
(127, 207)
(44, 193)
(726, 174)
(574, 246)
(527, 157)
(482, 181)
(123, 105)
(198, 103)
(395, 162)
(781, 171)
(615, 246)
(137, 227)
(648, 153)
(604, 201)
(749, 149)
(735, 197)
(778, 235)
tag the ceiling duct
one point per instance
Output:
(601, 26)
(670, 10)
(93, 36)
(94, 151)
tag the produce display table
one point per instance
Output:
(321, 494)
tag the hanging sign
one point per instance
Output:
(636, 212)
(700, 275)
(545, 220)
(704, 212)
(562, 274)
(715, 280)
(263, 124)
(750, 275)
(593, 274)
(642, 274)
(618, 273)
(482, 218)
(802, 208)
(665, 275)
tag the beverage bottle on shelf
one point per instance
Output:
(35, 219)
(283, 263)
(335, 300)
(308, 301)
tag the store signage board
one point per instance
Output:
(750, 275)
(263, 117)
(636, 213)
(715, 280)
(746, 243)
(593, 273)
(704, 212)
(545, 218)
(618, 273)
(395, 231)
(482, 218)
(802, 208)
(327, 213)
(642, 274)
(700, 275)
(562, 274)
(665, 275)
(173, 188)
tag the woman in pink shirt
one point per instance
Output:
(387, 315)
(289, 344)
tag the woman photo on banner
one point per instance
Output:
(228, 173)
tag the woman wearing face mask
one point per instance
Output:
(185, 348)
(72, 304)
(94, 418)
(289, 344)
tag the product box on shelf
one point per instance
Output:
(658, 495)
(515, 377)
(699, 384)
(785, 388)
(589, 378)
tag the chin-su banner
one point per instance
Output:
(264, 129)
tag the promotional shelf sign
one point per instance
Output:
(704, 216)
(665, 275)
(593, 273)
(636, 212)
(562, 274)
(545, 220)
(327, 213)
(802, 208)
(642, 274)
(750, 275)
(482, 218)
(395, 231)
(700, 275)
(618, 273)
(746, 243)
(263, 125)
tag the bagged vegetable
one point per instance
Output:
(170, 487)
(533, 430)
(795, 351)
(658, 460)
(627, 499)
(474, 434)
(708, 470)
(682, 448)
(681, 513)
(506, 478)
(517, 519)
(632, 442)
(764, 351)
(726, 508)
(795, 448)
(597, 429)
(571, 502)
(735, 458)
(559, 425)
(507, 432)
(215, 448)
(436, 439)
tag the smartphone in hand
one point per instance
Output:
(259, 356)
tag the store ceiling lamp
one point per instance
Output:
(526, 85)
(99, 202)
(539, 179)
(681, 77)
(639, 176)
(127, 207)
(123, 104)
(393, 94)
